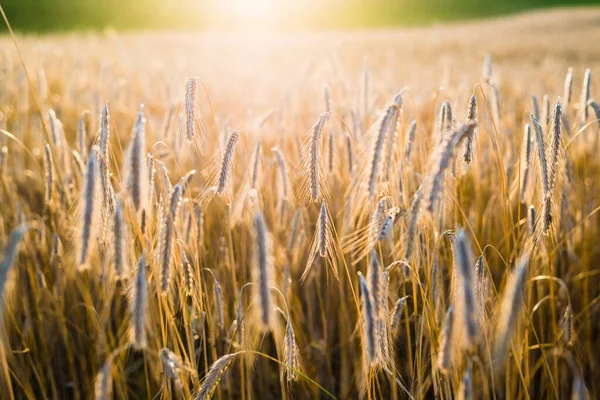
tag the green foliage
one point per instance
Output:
(59, 15)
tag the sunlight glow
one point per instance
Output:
(250, 14)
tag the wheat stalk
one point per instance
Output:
(138, 305)
(472, 136)
(509, 310)
(49, 173)
(585, 96)
(369, 322)
(445, 352)
(214, 375)
(312, 186)
(544, 177)
(136, 172)
(525, 161)
(119, 241)
(227, 159)
(323, 244)
(263, 266)
(568, 88)
(104, 382)
(440, 162)
(466, 305)
(90, 211)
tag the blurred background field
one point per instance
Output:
(60, 15)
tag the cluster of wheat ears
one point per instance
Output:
(410, 249)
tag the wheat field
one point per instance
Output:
(385, 214)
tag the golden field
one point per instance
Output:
(367, 214)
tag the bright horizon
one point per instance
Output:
(256, 15)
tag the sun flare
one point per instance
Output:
(255, 14)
